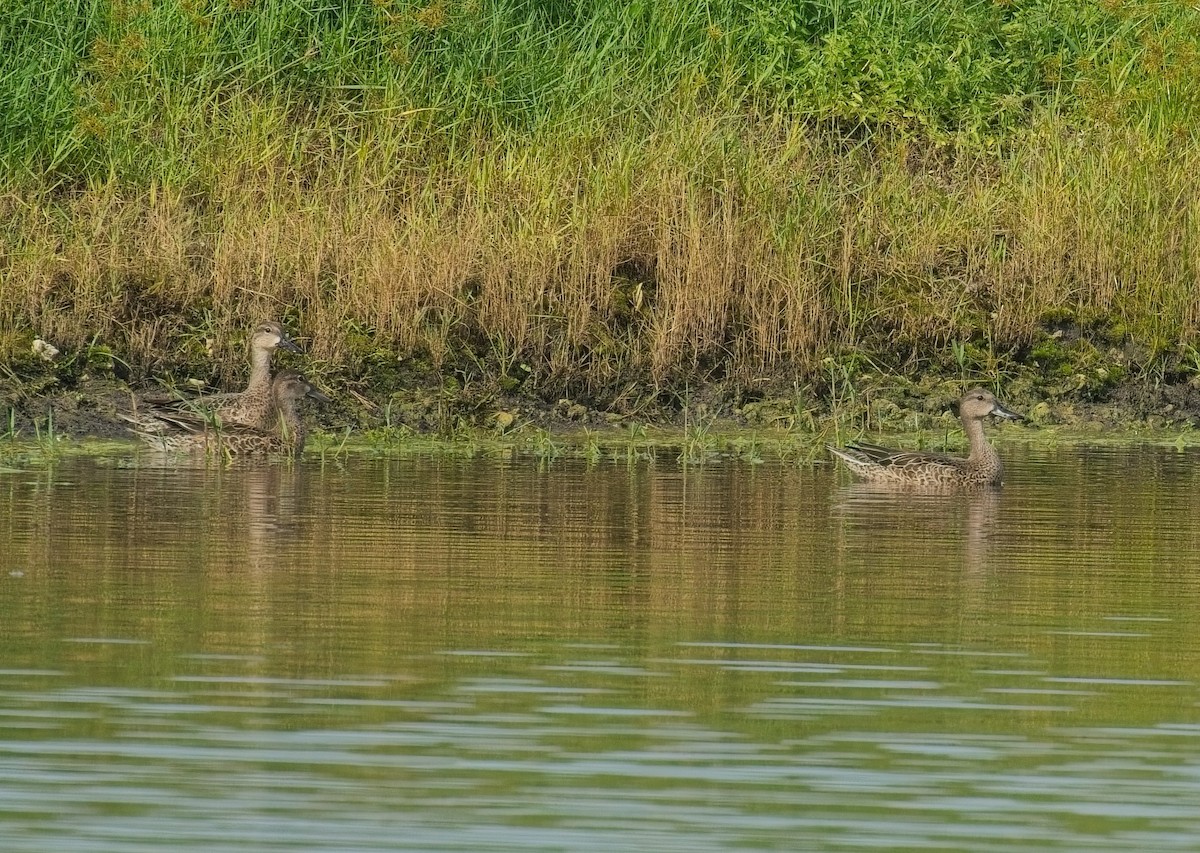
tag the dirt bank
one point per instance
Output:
(89, 405)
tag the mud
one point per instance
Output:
(92, 407)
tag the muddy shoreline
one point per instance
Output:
(90, 407)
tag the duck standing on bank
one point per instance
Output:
(253, 406)
(980, 467)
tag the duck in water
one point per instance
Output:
(981, 466)
(191, 431)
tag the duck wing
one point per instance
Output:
(155, 422)
(887, 457)
(193, 403)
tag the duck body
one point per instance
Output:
(200, 431)
(980, 467)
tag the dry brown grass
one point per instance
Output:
(694, 254)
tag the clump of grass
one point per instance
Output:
(46, 439)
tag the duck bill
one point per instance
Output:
(288, 344)
(1005, 412)
(320, 396)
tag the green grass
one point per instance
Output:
(580, 198)
(717, 443)
(145, 90)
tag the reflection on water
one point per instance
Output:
(482, 655)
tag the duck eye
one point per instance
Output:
(980, 397)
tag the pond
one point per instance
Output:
(485, 654)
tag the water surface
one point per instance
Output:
(447, 654)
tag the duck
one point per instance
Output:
(251, 407)
(980, 467)
(199, 430)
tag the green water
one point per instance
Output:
(492, 655)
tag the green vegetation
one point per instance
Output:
(607, 201)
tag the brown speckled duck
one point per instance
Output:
(980, 467)
(192, 431)
(251, 407)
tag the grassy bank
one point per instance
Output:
(605, 201)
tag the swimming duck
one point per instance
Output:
(190, 431)
(981, 466)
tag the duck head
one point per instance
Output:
(979, 403)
